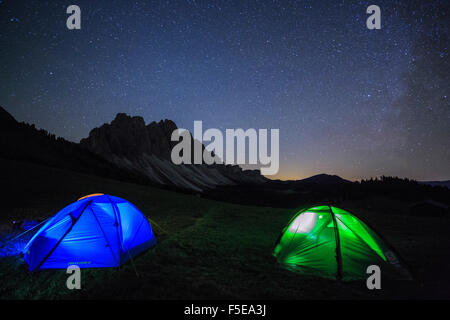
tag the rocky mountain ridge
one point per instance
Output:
(130, 143)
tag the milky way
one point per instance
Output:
(347, 100)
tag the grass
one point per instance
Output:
(207, 249)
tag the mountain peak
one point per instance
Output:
(129, 137)
(122, 119)
(324, 178)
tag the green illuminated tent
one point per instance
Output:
(333, 243)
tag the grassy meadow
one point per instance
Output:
(207, 249)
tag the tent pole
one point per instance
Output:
(338, 245)
(104, 234)
(113, 205)
(65, 234)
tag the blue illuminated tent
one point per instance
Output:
(96, 231)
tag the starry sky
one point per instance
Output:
(349, 101)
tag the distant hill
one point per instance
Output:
(437, 183)
(320, 179)
(323, 188)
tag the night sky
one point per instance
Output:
(349, 101)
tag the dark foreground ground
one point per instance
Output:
(207, 249)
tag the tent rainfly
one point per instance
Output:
(96, 231)
(333, 243)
